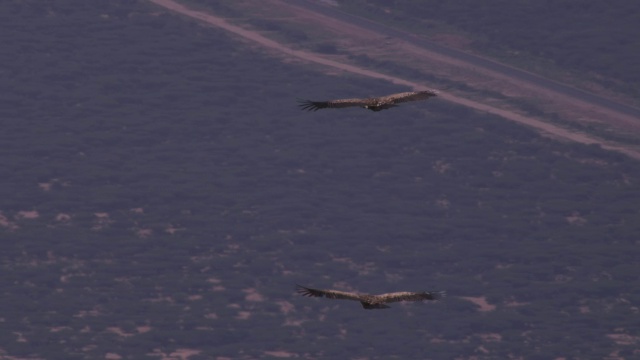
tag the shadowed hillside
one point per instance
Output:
(162, 194)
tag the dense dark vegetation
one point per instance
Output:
(596, 38)
(174, 177)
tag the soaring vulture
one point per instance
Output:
(374, 104)
(371, 301)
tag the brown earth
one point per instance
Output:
(358, 40)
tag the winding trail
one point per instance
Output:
(545, 128)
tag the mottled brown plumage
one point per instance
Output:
(374, 104)
(371, 301)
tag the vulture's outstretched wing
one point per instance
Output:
(375, 104)
(409, 96)
(329, 294)
(411, 296)
(341, 103)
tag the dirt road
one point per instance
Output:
(255, 37)
(599, 99)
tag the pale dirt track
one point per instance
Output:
(255, 37)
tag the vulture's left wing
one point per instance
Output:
(410, 96)
(412, 296)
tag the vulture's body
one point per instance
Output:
(374, 104)
(371, 301)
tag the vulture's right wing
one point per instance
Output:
(334, 104)
(329, 294)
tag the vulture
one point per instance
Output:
(374, 104)
(371, 301)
